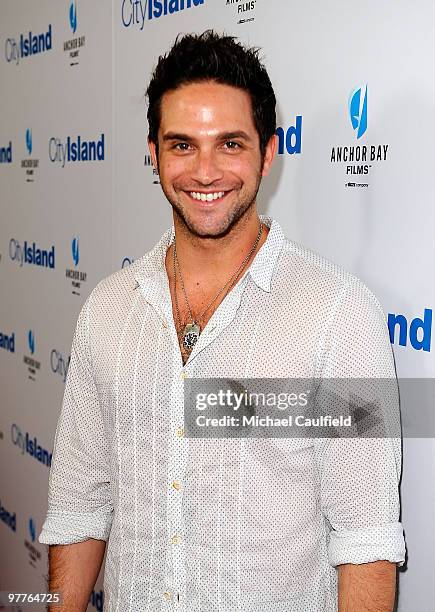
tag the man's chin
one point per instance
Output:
(215, 229)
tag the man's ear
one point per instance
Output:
(269, 154)
(153, 152)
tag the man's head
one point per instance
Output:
(212, 123)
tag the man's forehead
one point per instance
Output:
(214, 106)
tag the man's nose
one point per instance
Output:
(207, 169)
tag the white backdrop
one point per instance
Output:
(87, 80)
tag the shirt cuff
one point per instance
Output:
(64, 527)
(379, 543)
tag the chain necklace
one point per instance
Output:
(192, 330)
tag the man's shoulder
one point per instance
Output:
(115, 294)
(119, 283)
(319, 274)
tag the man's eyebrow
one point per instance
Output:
(177, 136)
(222, 136)
(233, 135)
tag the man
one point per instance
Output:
(202, 525)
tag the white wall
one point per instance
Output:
(317, 54)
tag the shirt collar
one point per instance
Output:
(261, 269)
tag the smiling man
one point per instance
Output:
(219, 524)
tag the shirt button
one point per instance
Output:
(175, 539)
(176, 484)
(167, 595)
(165, 323)
(179, 432)
(183, 374)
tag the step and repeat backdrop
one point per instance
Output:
(79, 199)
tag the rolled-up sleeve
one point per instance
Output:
(360, 476)
(79, 498)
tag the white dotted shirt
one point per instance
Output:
(208, 525)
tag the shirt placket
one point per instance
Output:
(177, 451)
(157, 293)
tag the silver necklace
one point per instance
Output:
(192, 330)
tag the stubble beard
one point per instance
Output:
(239, 210)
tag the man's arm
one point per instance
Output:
(368, 587)
(73, 570)
(360, 476)
(80, 505)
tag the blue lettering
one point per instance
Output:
(30, 45)
(291, 139)
(97, 600)
(31, 254)
(7, 342)
(425, 325)
(135, 12)
(6, 154)
(8, 518)
(76, 150)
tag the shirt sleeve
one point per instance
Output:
(359, 476)
(79, 498)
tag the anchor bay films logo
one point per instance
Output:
(33, 365)
(359, 158)
(74, 45)
(34, 553)
(148, 163)
(76, 276)
(244, 12)
(29, 164)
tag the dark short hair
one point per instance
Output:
(212, 57)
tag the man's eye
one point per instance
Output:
(230, 144)
(181, 146)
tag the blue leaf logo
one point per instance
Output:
(32, 529)
(75, 250)
(73, 17)
(31, 341)
(29, 141)
(358, 110)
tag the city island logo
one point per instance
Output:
(359, 159)
(136, 12)
(127, 261)
(31, 254)
(77, 277)
(73, 45)
(8, 518)
(33, 365)
(34, 554)
(7, 341)
(76, 150)
(29, 164)
(30, 446)
(59, 364)
(244, 10)
(6, 153)
(28, 45)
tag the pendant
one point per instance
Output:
(190, 335)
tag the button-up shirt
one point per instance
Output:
(228, 524)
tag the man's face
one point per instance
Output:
(209, 163)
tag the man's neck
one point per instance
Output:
(207, 262)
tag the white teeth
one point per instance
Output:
(206, 197)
